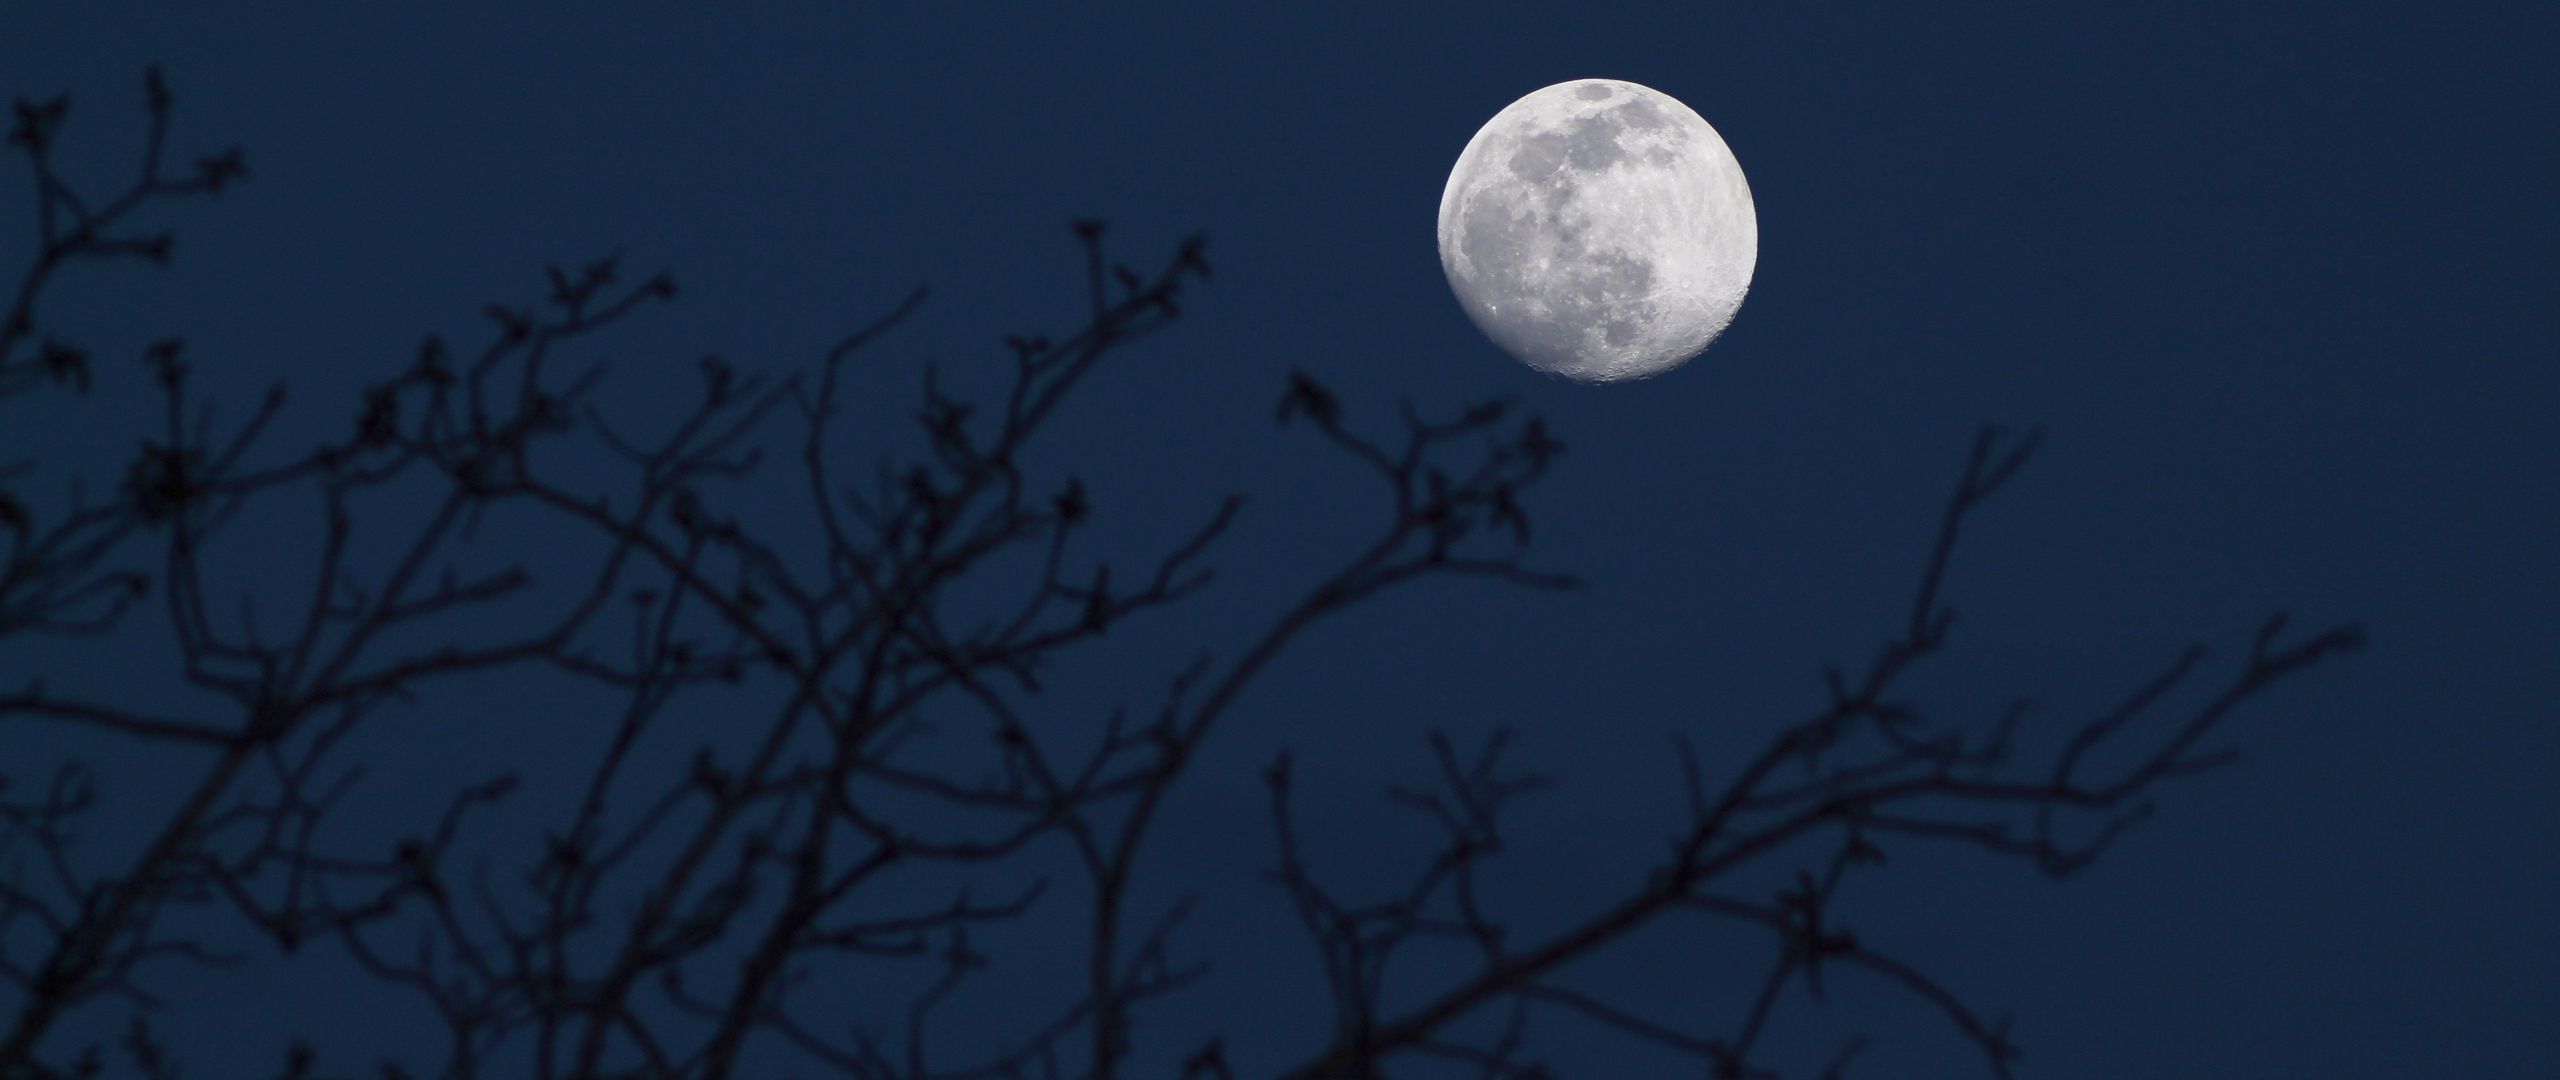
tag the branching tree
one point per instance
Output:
(759, 820)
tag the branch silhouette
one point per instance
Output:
(1875, 768)
(778, 653)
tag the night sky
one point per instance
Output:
(2280, 286)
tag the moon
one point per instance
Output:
(1599, 230)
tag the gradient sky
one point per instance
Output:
(2280, 285)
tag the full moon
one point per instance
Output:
(1599, 230)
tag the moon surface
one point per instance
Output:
(1599, 230)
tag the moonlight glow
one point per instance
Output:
(1599, 230)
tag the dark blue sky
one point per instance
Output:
(2281, 286)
